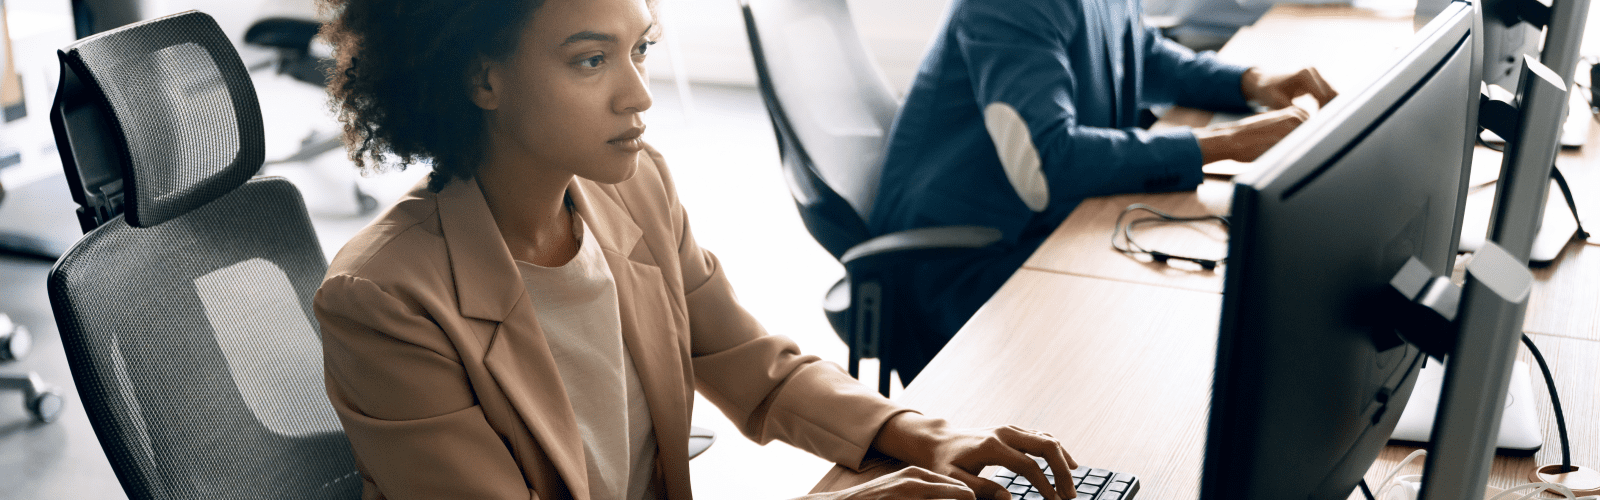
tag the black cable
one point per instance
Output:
(1555, 401)
(1561, 182)
(1132, 247)
(1365, 490)
(1501, 148)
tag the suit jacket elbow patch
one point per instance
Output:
(1018, 156)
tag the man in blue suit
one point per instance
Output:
(1023, 108)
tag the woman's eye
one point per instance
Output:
(644, 47)
(592, 62)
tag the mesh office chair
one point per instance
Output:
(831, 110)
(186, 308)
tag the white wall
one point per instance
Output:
(234, 16)
(710, 37)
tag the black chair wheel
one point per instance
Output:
(15, 341)
(46, 405)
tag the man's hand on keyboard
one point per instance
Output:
(963, 453)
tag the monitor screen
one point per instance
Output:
(1311, 376)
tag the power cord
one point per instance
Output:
(1366, 491)
(1561, 182)
(1555, 402)
(1410, 485)
(1126, 245)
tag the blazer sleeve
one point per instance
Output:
(1174, 74)
(1020, 69)
(404, 399)
(762, 382)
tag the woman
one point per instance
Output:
(532, 321)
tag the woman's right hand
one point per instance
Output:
(910, 483)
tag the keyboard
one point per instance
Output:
(1092, 484)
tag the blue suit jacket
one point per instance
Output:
(1076, 73)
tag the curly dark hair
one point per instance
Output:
(402, 78)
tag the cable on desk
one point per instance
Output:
(1561, 182)
(1133, 248)
(1501, 148)
(1555, 401)
(1365, 490)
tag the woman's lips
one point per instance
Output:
(629, 139)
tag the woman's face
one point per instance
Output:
(572, 98)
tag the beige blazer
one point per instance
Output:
(437, 367)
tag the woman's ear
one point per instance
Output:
(484, 87)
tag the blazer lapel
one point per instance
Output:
(656, 338)
(1115, 28)
(489, 287)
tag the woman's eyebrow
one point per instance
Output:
(600, 37)
(588, 35)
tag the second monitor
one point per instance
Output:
(1311, 376)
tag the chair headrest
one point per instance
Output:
(175, 117)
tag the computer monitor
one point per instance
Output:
(1311, 376)
(1494, 301)
(1505, 39)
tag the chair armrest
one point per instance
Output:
(283, 33)
(920, 239)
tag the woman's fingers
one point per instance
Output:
(981, 487)
(1003, 451)
(913, 483)
(1043, 445)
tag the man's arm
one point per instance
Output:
(1028, 88)
(1176, 75)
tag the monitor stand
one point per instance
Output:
(1554, 232)
(1520, 434)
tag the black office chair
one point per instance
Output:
(831, 110)
(186, 308)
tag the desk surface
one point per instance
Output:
(1140, 406)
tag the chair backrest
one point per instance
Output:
(831, 109)
(187, 317)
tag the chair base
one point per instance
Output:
(43, 401)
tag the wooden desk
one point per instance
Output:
(1114, 356)
(1141, 375)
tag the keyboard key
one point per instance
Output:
(1091, 483)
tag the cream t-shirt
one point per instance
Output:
(577, 308)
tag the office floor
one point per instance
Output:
(723, 156)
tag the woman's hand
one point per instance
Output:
(910, 483)
(963, 453)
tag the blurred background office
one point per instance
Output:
(708, 121)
